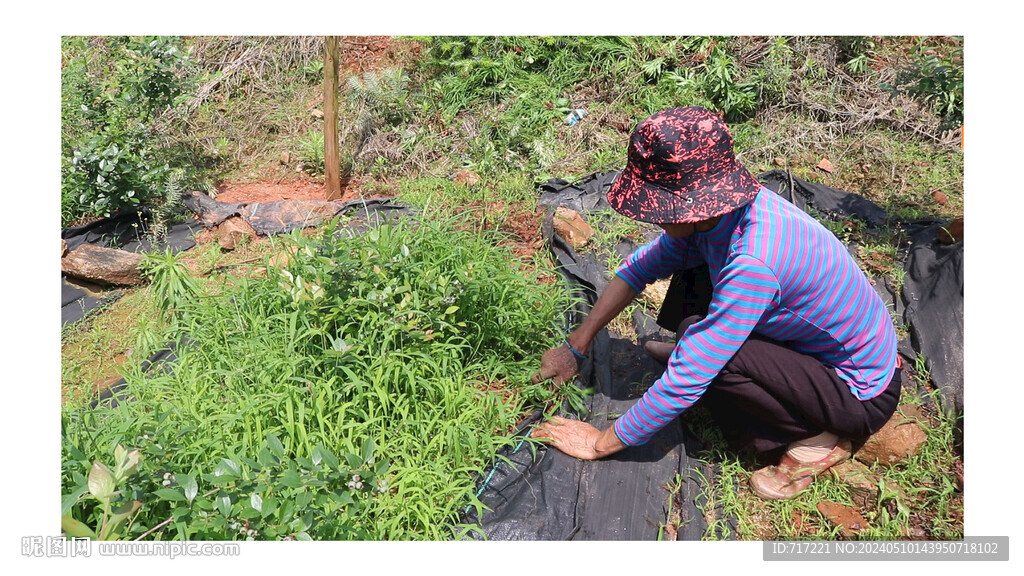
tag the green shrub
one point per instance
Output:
(935, 77)
(113, 90)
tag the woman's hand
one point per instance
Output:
(558, 363)
(578, 439)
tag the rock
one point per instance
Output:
(953, 233)
(231, 232)
(779, 161)
(860, 481)
(848, 519)
(940, 197)
(103, 265)
(286, 158)
(825, 166)
(863, 484)
(899, 439)
(466, 178)
(570, 225)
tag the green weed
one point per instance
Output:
(416, 339)
(171, 284)
(311, 151)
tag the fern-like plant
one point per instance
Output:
(171, 285)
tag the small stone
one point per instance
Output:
(231, 232)
(863, 484)
(940, 197)
(655, 292)
(825, 166)
(779, 161)
(570, 225)
(466, 178)
(848, 519)
(286, 158)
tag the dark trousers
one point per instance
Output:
(769, 395)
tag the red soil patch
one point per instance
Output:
(293, 189)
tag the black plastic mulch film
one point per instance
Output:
(535, 493)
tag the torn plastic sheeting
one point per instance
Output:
(823, 198)
(284, 216)
(118, 391)
(128, 230)
(75, 303)
(933, 290)
(588, 194)
(539, 493)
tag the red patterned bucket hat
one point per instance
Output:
(681, 168)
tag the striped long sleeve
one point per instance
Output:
(745, 291)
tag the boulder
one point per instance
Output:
(103, 265)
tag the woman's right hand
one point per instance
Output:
(557, 363)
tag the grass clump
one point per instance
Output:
(351, 393)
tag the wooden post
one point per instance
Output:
(331, 163)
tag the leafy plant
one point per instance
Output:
(113, 90)
(384, 94)
(714, 80)
(102, 486)
(935, 77)
(855, 51)
(171, 284)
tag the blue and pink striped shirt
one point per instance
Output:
(777, 272)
